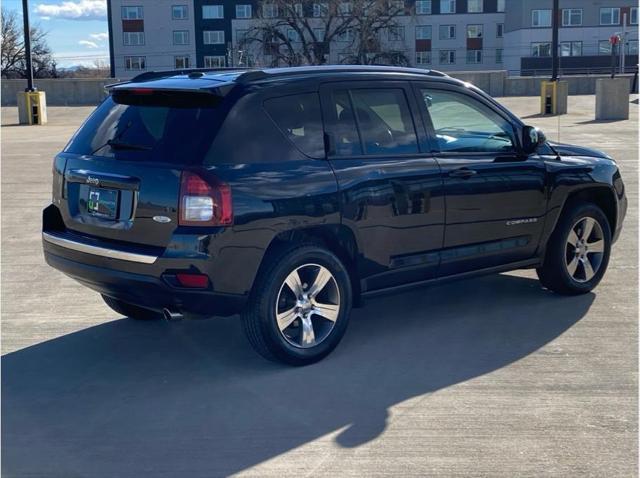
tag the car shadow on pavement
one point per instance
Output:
(131, 398)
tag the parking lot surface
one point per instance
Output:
(485, 377)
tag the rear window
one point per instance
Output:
(170, 127)
(300, 120)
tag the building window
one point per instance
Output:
(500, 6)
(135, 62)
(179, 12)
(498, 55)
(214, 61)
(474, 56)
(499, 30)
(132, 13)
(396, 33)
(241, 36)
(447, 57)
(572, 17)
(243, 11)
(133, 38)
(541, 18)
(347, 35)
(397, 6)
(447, 32)
(182, 62)
(423, 58)
(320, 9)
(180, 37)
(610, 16)
(541, 49)
(604, 47)
(632, 47)
(447, 6)
(345, 8)
(475, 6)
(634, 16)
(423, 7)
(319, 34)
(213, 37)
(474, 31)
(212, 12)
(571, 48)
(269, 10)
(423, 32)
(292, 35)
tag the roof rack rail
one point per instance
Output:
(154, 75)
(261, 74)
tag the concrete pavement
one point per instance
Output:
(485, 377)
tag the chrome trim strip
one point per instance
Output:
(98, 251)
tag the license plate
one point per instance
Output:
(103, 202)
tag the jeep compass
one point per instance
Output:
(288, 195)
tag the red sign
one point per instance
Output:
(614, 39)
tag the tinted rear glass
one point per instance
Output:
(300, 120)
(166, 127)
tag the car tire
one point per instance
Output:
(578, 251)
(299, 307)
(131, 311)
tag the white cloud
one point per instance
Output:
(74, 10)
(100, 36)
(88, 44)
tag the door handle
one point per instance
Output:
(463, 173)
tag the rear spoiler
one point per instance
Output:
(192, 72)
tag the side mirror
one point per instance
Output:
(532, 138)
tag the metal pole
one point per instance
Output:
(555, 20)
(623, 42)
(27, 45)
(613, 60)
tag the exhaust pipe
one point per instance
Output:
(171, 316)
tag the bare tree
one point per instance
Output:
(12, 57)
(298, 33)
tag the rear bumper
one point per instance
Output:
(143, 290)
(141, 275)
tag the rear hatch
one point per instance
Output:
(119, 177)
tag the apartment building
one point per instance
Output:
(448, 35)
(585, 29)
(147, 35)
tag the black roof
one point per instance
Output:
(206, 79)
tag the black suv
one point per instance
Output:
(288, 195)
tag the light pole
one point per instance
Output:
(27, 45)
(555, 20)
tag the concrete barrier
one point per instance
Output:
(492, 82)
(497, 83)
(612, 99)
(90, 91)
(60, 92)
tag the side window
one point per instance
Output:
(300, 120)
(464, 125)
(385, 121)
(343, 127)
(380, 115)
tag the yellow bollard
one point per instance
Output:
(32, 107)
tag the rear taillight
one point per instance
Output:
(204, 204)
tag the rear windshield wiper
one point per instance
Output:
(121, 145)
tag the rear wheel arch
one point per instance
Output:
(336, 238)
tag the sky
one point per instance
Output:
(77, 29)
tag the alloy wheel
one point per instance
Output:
(584, 249)
(308, 305)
